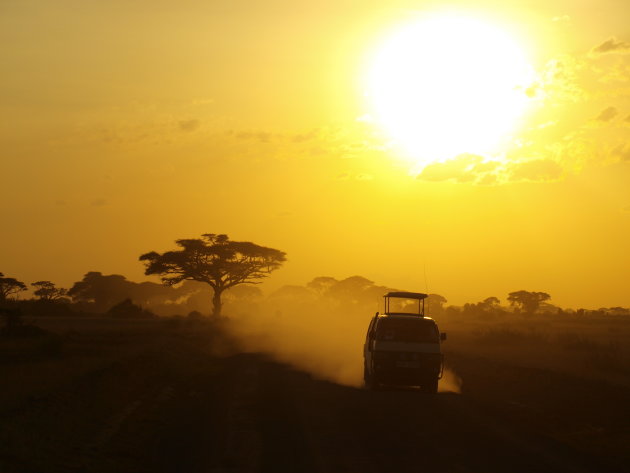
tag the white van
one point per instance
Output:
(403, 346)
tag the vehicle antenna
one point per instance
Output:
(426, 283)
(426, 286)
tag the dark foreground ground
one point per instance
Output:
(183, 400)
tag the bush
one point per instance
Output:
(128, 310)
(14, 325)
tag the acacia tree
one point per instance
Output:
(46, 291)
(527, 301)
(435, 304)
(216, 261)
(10, 286)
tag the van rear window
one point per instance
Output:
(407, 330)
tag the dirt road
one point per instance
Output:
(177, 406)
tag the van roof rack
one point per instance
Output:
(420, 297)
(407, 295)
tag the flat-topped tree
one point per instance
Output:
(47, 291)
(10, 287)
(528, 302)
(215, 260)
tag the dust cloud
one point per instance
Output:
(326, 343)
(315, 335)
(450, 382)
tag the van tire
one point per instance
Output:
(371, 383)
(430, 386)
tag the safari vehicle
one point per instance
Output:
(403, 346)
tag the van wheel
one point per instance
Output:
(371, 383)
(374, 385)
(430, 387)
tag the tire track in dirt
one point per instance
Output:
(311, 425)
(191, 411)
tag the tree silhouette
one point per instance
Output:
(127, 309)
(435, 304)
(350, 290)
(529, 302)
(9, 287)
(491, 301)
(292, 291)
(103, 291)
(46, 291)
(321, 284)
(216, 261)
(489, 304)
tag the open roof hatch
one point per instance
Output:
(420, 297)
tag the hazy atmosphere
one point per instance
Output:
(127, 125)
(314, 236)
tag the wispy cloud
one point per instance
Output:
(622, 152)
(466, 168)
(98, 203)
(536, 170)
(189, 125)
(561, 19)
(472, 169)
(612, 45)
(607, 114)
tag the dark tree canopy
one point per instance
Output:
(528, 302)
(103, 291)
(435, 304)
(127, 309)
(46, 291)
(9, 287)
(216, 261)
(322, 284)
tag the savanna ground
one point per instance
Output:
(177, 395)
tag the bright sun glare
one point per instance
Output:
(446, 85)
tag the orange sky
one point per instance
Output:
(127, 125)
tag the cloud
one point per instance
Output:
(201, 101)
(536, 170)
(559, 81)
(622, 152)
(302, 137)
(488, 180)
(260, 136)
(484, 167)
(473, 169)
(364, 177)
(460, 169)
(607, 114)
(561, 19)
(189, 125)
(98, 203)
(612, 46)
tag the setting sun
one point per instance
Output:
(447, 84)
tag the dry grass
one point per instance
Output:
(596, 349)
(31, 367)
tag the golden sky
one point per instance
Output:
(128, 124)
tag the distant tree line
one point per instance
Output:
(115, 295)
(204, 274)
(201, 270)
